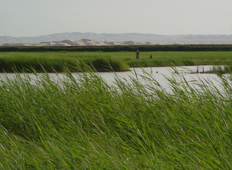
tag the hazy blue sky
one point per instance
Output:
(167, 17)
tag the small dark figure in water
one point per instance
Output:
(137, 54)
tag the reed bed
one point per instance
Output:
(85, 123)
(106, 61)
(220, 70)
(58, 63)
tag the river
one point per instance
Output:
(158, 73)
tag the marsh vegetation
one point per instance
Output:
(85, 123)
(105, 61)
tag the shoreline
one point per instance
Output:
(217, 69)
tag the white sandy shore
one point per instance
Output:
(82, 42)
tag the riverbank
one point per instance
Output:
(105, 61)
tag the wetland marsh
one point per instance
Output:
(105, 61)
(84, 122)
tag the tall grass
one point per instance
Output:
(220, 70)
(101, 61)
(86, 124)
(52, 63)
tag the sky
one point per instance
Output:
(22, 18)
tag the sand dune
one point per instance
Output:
(82, 42)
(70, 38)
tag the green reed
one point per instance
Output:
(106, 61)
(84, 123)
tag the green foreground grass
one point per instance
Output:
(105, 61)
(86, 124)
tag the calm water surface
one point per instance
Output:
(159, 74)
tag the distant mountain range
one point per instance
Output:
(113, 39)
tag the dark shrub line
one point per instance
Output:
(120, 48)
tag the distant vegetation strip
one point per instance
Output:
(105, 61)
(58, 64)
(119, 48)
